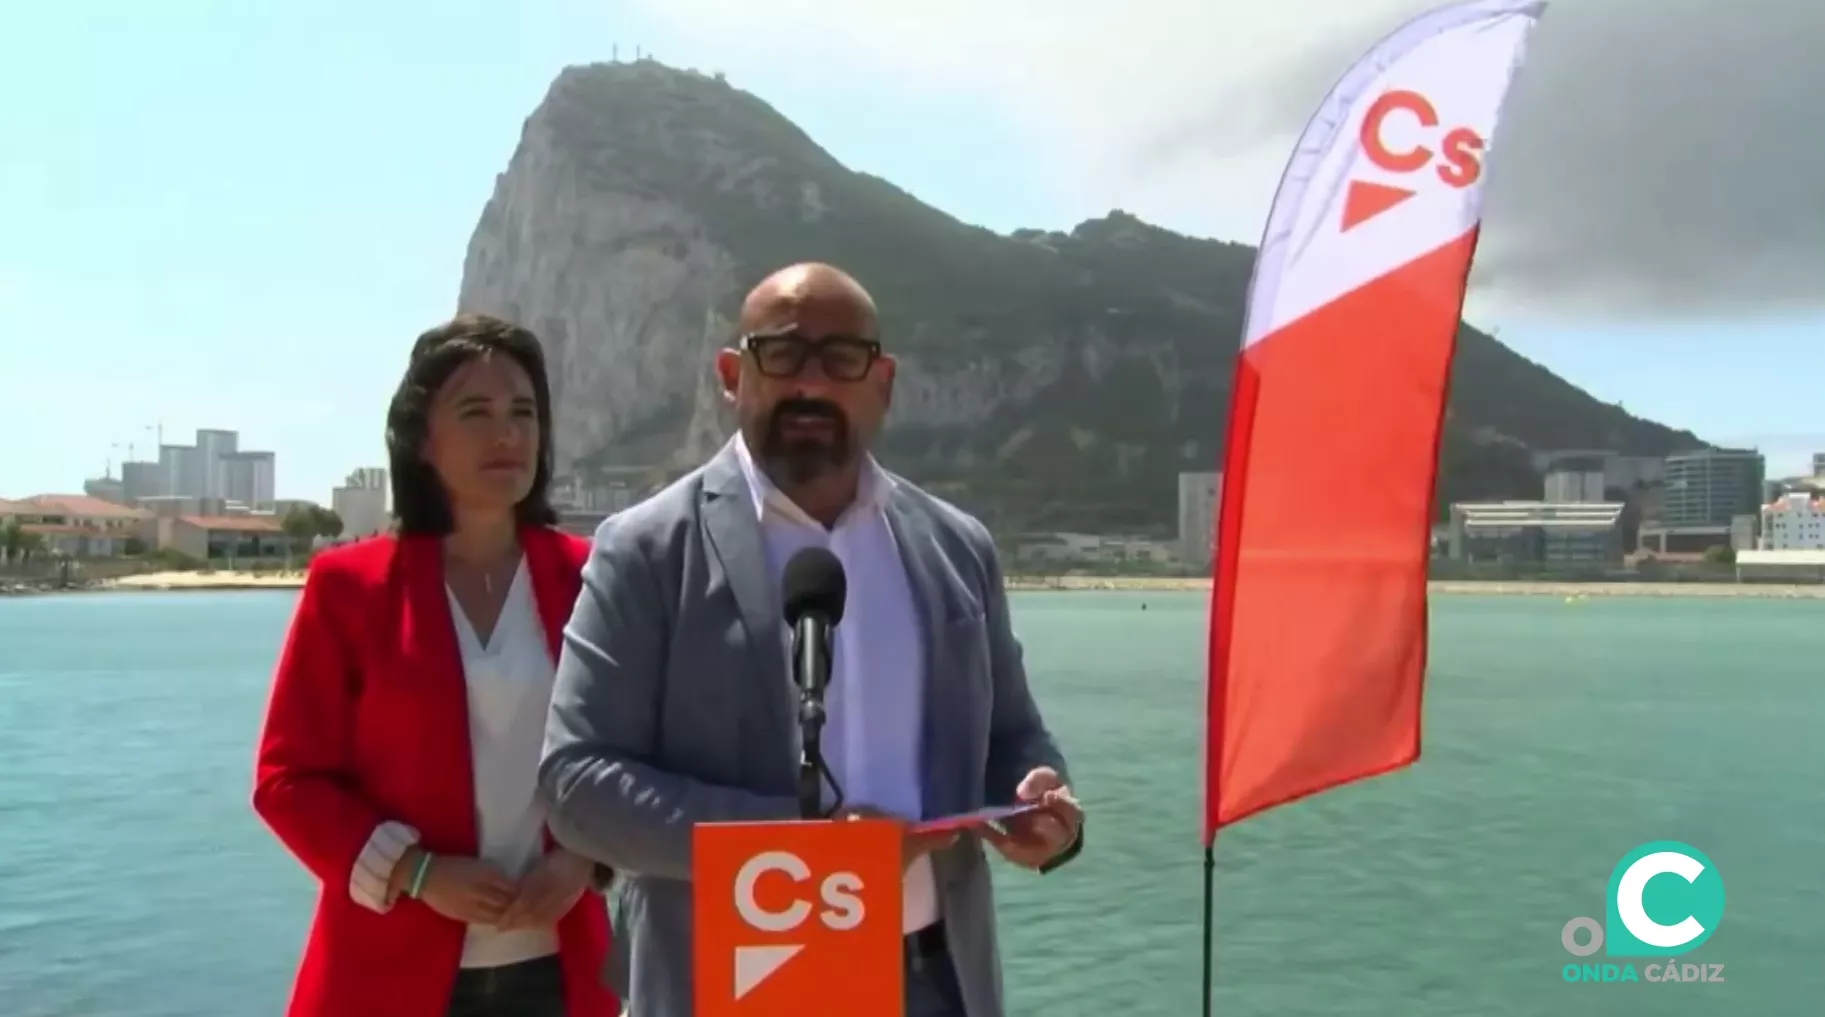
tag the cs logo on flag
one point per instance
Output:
(1664, 900)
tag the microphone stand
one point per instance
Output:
(812, 672)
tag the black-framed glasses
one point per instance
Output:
(785, 354)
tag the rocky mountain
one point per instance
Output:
(1049, 380)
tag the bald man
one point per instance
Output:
(674, 703)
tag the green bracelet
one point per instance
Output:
(418, 874)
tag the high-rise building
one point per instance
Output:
(214, 467)
(141, 480)
(181, 472)
(368, 478)
(1818, 464)
(1573, 478)
(247, 477)
(1711, 487)
(213, 446)
(361, 503)
(1198, 500)
(1626, 472)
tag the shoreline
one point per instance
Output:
(1450, 587)
(220, 582)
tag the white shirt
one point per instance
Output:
(873, 738)
(509, 681)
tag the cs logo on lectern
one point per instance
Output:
(797, 919)
(839, 908)
(1664, 900)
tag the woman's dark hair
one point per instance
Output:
(420, 503)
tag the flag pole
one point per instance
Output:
(1210, 922)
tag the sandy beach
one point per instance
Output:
(217, 581)
(208, 581)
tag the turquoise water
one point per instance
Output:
(135, 882)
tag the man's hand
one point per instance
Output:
(549, 891)
(913, 846)
(1035, 838)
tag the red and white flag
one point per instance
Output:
(1318, 615)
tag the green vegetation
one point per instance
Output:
(305, 523)
(18, 545)
(1086, 369)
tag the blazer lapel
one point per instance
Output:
(733, 532)
(434, 667)
(913, 535)
(555, 582)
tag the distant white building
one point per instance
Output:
(1794, 522)
(1035, 548)
(1539, 532)
(1621, 471)
(1574, 487)
(361, 503)
(1199, 496)
(246, 477)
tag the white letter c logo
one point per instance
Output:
(1635, 917)
(749, 908)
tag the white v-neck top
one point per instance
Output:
(509, 679)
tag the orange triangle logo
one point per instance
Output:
(1365, 201)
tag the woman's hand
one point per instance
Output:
(463, 889)
(549, 891)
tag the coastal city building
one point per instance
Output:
(1199, 496)
(1536, 532)
(77, 525)
(106, 488)
(1818, 464)
(1792, 566)
(246, 477)
(223, 538)
(361, 503)
(1619, 471)
(1738, 534)
(1572, 482)
(139, 480)
(170, 506)
(213, 444)
(603, 491)
(1712, 487)
(1794, 522)
(1067, 549)
(214, 466)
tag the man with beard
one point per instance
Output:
(673, 704)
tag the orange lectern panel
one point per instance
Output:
(798, 919)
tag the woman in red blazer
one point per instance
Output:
(400, 754)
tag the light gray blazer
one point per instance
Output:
(673, 706)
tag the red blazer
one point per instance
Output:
(369, 721)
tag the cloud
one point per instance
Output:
(1659, 155)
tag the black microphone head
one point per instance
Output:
(814, 583)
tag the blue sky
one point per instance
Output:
(217, 216)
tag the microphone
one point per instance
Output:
(813, 592)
